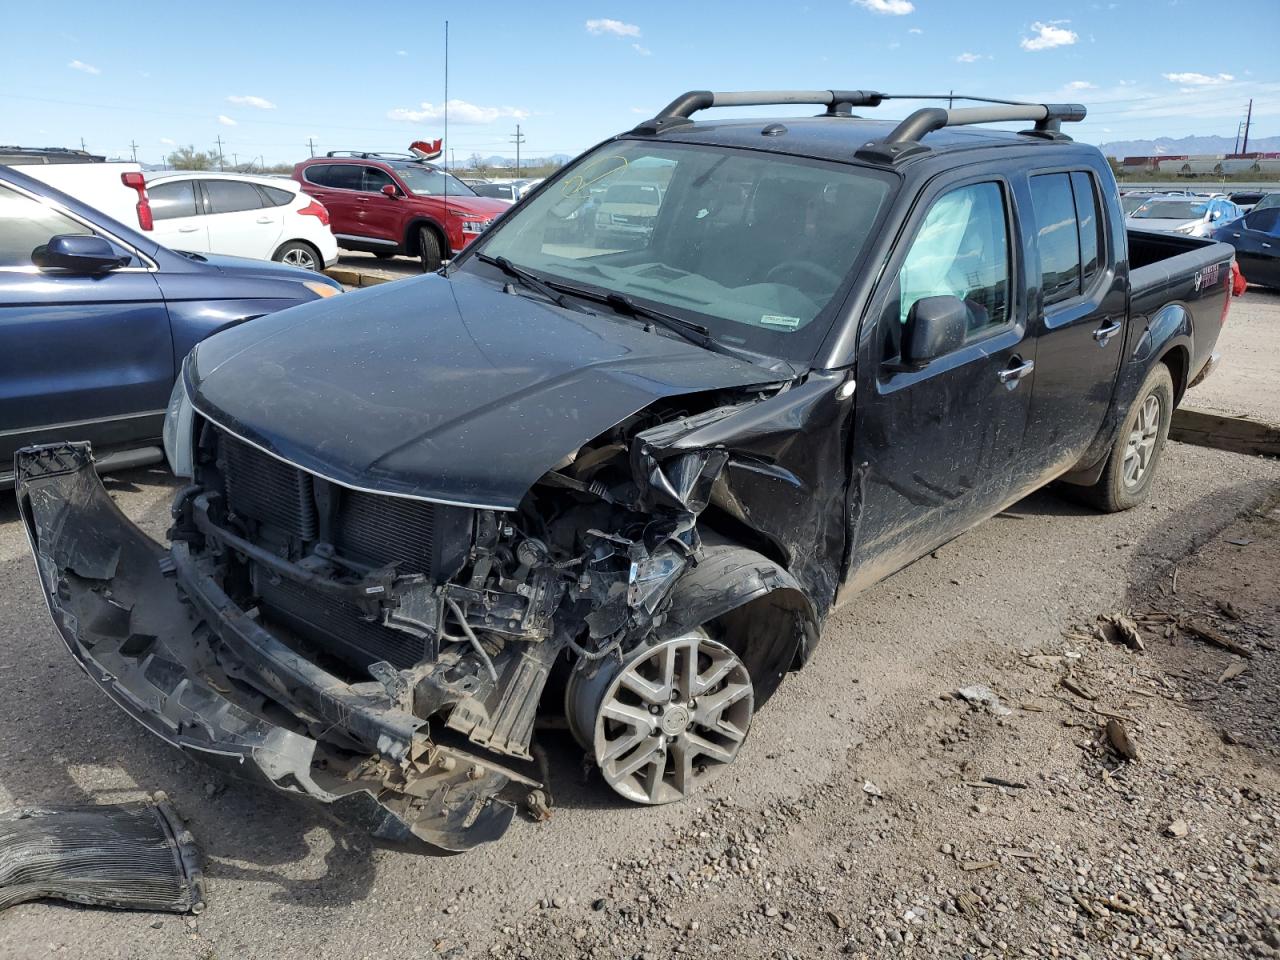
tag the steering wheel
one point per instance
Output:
(825, 277)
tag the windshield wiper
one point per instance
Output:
(693, 332)
(530, 280)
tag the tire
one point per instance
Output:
(299, 253)
(1135, 455)
(429, 249)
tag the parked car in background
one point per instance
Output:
(647, 476)
(1256, 237)
(1247, 200)
(117, 189)
(506, 192)
(241, 216)
(1130, 202)
(1193, 216)
(386, 206)
(96, 317)
(626, 214)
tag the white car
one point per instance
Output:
(1173, 213)
(241, 216)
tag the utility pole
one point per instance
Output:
(82, 146)
(235, 162)
(134, 147)
(1239, 127)
(311, 145)
(1248, 120)
(221, 165)
(517, 138)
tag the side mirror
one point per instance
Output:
(389, 190)
(1216, 215)
(79, 254)
(935, 326)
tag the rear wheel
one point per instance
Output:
(429, 249)
(664, 720)
(299, 253)
(1131, 466)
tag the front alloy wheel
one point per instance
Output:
(1143, 438)
(666, 719)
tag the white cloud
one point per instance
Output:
(260, 102)
(645, 111)
(225, 120)
(84, 67)
(894, 8)
(642, 50)
(167, 142)
(402, 53)
(1198, 79)
(616, 27)
(460, 111)
(1081, 85)
(967, 57)
(1048, 35)
(915, 30)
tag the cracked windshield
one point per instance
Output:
(753, 246)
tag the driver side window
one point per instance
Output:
(961, 250)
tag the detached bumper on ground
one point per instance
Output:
(163, 641)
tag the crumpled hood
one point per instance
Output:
(441, 388)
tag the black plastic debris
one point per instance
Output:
(136, 856)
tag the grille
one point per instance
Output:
(263, 488)
(338, 627)
(378, 530)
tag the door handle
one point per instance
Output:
(1236, 235)
(1011, 376)
(1103, 334)
(1267, 245)
(265, 220)
(188, 229)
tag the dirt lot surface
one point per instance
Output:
(858, 819)
(1245, 385)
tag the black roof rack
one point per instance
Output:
(362, 155)
(904, 140)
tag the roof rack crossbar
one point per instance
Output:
(679, 110)
(905, 138)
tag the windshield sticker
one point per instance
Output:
(576, 185)
(778, 320)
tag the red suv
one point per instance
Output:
(386, 204)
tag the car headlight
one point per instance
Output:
(177, 431)
(475, 226)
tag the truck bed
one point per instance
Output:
(1190, 274)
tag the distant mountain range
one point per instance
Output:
(497, 161)
(1185, 146)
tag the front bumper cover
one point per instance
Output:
(157, 634)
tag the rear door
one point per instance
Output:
(935, 448)
(380, 216)
(84, 357)
(1079, 316)
(180, 222)
(241, 224)
(337, 187)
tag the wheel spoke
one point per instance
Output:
(616, 748)
(682, 766)
(701, 746)
(637, 717)
(644, 689)
(647, 752)
(712, 705)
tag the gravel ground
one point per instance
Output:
(848, 822)
(1245, 384)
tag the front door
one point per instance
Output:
(86, 357)
(934, 449)
(1257, 241)
(1081, 316)
(381, 215)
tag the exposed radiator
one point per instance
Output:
(379, 530)
(262, 488)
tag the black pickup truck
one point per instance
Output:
(616, 463)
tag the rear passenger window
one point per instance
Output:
(961, 250)
(170, 200)
(1059, 240)
(231, 196)
(1069, 233)
(1090, 226)
(340, 176)
(276, 196)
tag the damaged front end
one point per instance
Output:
(389, 656)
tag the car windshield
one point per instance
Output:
(427, 181)
(1131, 204)
(1171, 210)
(1267, 202)
(753, 246)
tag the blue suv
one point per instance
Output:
(95, 319)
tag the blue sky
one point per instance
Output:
(265, 77)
